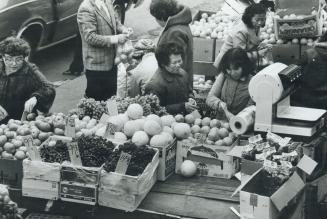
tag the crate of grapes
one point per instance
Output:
(126, 191)
(41, 177)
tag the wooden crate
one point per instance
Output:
(203, 48)
(79, 184)
(126, 192)
(40, 189)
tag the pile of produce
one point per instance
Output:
(273, 150)
(150, 104)
(200, 82)
(214, 131)
(216, 25)
(141, 130)
(8, 208)
(54, 152)
(92, 108)
(141, 157)
(94, 150)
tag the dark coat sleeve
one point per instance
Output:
(159, 91)
(42, 90)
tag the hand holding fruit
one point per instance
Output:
(190, 106)
(30, 104)
(128, 30)
(122, 38)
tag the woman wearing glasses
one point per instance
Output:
(22, 86)
(245, 35)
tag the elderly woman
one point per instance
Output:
(22, 86)
(175, 19)
(170, 82)
(245, 35)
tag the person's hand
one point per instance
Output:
(30, 104)
(128, 30)
(3, 113)
(222, 105)
(190, 106)
(263, 52)
(122, 38)
(229, 115)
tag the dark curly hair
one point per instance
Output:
(164, 51)
(238, 58)
(14, 47)
(163, 9)
(251, 11)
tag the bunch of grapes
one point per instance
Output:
(92, 108)
(150, 104)
(94, 150)
(141, 157)
(56, 154)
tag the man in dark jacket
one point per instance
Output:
(175, 19)
(170, 82)
(313, 91)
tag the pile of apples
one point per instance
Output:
(216, 132)
(12, 134)
(124, 53)
(215, 26)
(267, 33)
(200, 82)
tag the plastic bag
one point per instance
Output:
(121, 81)
(124, 52)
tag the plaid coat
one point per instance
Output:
(97, 29)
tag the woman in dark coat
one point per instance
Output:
(170, 82)
(22, 86)
(175, 19)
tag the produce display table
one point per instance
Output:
(178, 197)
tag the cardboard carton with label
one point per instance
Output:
(211, 161)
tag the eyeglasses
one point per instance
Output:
(13, 59)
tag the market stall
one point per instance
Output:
(129, 158)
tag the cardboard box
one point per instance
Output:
(286, 53)
(79, 184)
(211, 161)
(203, 49)
(11, 173)
(248, 167)
(219, 44)
(126, 192)
(167, 160)
(309, 26)
(256, 205)
(317, 150)
(204, 68)
(40, 189)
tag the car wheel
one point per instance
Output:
(32, 35)
(119, 8)
(33, 46)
